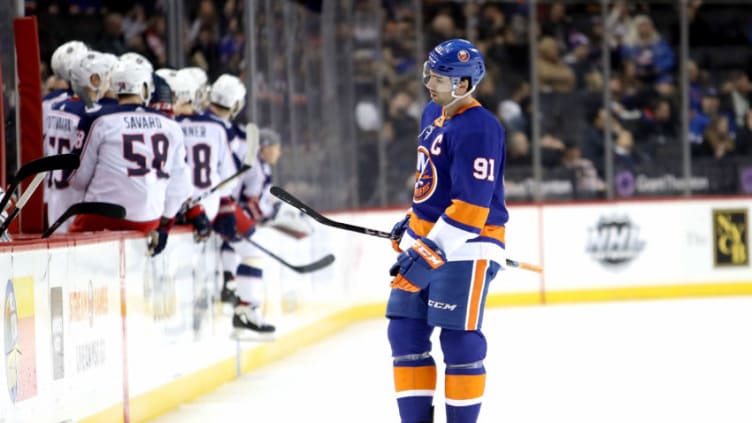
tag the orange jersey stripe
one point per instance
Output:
(423, 227)
(479, 278)
(464, 387)
(439, 121)
(414, 378)
(468, 214)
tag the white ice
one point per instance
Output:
(652, 361)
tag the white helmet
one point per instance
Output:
(138, 58)
(184, 87)
(141, 61)
(166, 73)
(91, 64)
(64, 57)
(129, 77)
(110, 59)
(202, 79)
(228, 91)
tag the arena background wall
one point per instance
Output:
(94, 330)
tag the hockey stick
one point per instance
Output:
(291, 200)
(110, 210)
(25, 197)
(35, 167)
(252, 146)
(306, 268)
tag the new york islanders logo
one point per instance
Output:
(426, 177)
(463, 56)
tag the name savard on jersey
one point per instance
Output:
(142, 122)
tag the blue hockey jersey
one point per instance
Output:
(458, 200)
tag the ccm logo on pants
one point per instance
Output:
(441, 306)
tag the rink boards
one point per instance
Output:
(93, 330)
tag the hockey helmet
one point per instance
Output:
(202, 80)
(130, 78)
(90, 65)
(65, 56)
(228, 91)
(456, 59)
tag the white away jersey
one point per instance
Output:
(135, 156)
(65, 127)
(256, 184)
(209, 157)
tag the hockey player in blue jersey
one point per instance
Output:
(452, 241)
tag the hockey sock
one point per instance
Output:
(414, 369)
(250, 285)
(465, 377)
(415, 383)
(229, 258)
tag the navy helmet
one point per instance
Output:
(457, 59)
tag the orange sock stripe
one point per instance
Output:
(479, 279)
(414, 378)
(464, 387)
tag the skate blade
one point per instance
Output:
(246, 335)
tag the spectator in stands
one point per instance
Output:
(717, 140)
(695, 87)
(492, 20)
(231, 47)
(736, 97)
(553, 74)
(578, 58)
(206, 20)
(134, 23)
(155, 39)
(205, 53)
(112, 40)
(586, 181)
(558, 25)
(644, 46)
(744, 136)
(443, 27)
(710, 104)
(618, 22)
(518, 150)
(658, 129)
(512, 111)
(552, 150)
(625, 153)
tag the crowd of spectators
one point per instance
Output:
(643, 40)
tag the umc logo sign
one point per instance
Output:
(614, 240)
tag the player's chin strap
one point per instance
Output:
(459, 97)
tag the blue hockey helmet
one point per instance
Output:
(457, 59)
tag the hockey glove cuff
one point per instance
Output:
(226, 223)
(158, 237)
(398, 231)
(200, 222)
(415, 264)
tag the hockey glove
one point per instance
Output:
(200, 222)
(158, 237)
(226, 224)
(415, 265)
(397, 231)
